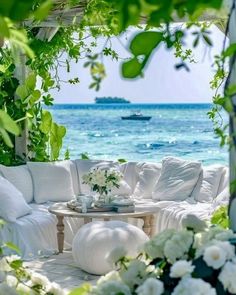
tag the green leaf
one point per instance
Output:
(8, 123)
(6, 138)
(30, 81)
(4, 30)
(22, 92)
(144, 43)
(56, 135)
(84, 156)
(230, 50)
(46, 122)
(35, 96)
(196, 41)
(83, 290)
(220, 217)
(43, 10)
(16, 264)
(132, 68)
(12, 247)
(207, 40)
(122, 161)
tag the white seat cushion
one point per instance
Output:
(208, 184)
(13, 205)
(52, 181)
(177, 180)
(20, 177)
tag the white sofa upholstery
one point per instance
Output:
(35, 234)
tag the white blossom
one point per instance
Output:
(112, 288)
(55, 289)
(214, 256)
(181, 268)
(227, 277)
(4, 265)
(192, 286)
(111, 276)
(151, 287)
(155, 247)
(24, 289)
(38, 279)
(135, 274)
(11, 280)
(178, 245)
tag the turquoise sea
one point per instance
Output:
(181, 130)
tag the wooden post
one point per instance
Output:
(22, 140)
(232, 155)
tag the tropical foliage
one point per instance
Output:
(100, 18)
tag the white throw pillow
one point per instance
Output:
(177, 180)
(13, 205)
(208, 184)
(123, 190)
(52, 181)
(222, 198)
(148, 177)
(21, 178)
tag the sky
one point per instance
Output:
(162, 83)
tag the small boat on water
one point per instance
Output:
(138, 116)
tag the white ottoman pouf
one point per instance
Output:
(94, 242)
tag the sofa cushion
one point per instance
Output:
(177, 180)
(208, 184)
(123, 190)
(21, 178)
(224, 181)
(52, 181)
(13, 205)
(148, 177)
(222, 198)
(130, 172)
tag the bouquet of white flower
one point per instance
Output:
(175, 263)
(102, 180)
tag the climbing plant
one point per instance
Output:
(99, 18)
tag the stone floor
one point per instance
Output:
(62, 270)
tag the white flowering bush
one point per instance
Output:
(103, 180)
(175, 263)
(16, 279)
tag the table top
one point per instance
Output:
(60, 209)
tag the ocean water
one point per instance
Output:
(181, 130)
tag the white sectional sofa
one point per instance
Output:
(198, 191)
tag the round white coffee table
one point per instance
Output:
(61, 211)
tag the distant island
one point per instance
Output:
(111, 100)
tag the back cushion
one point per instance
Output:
(177, 180)
(147, 178)
(52, 181)
(208, 183)
(222, 198)
(20, 177)
(224, 181)
(13, 205)
(130, 172)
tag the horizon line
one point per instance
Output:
(170, 102)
